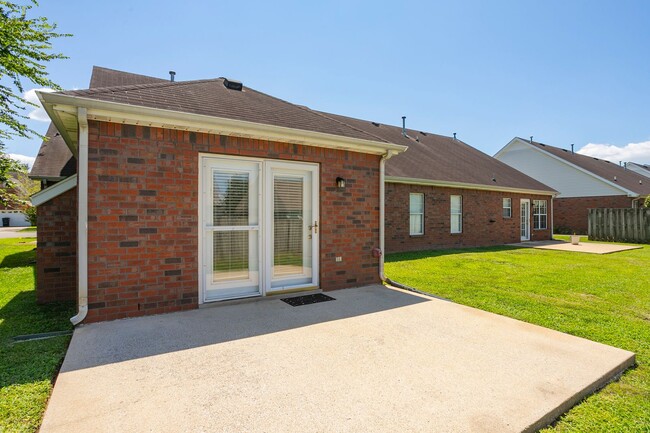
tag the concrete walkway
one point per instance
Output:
(374, 360)
(15, 232)
(582, 247)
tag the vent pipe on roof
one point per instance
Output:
(404, 126)
(454, 135)
(531, 139)
(572, 147)
(625, 165)
(171, 76)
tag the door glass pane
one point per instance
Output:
(288, 225)
(231, 253)
(230, 199)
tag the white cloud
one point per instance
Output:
(29, 160)
(37, 113)
(632, 152)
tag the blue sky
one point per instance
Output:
(562, 71)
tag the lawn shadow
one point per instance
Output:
(18, 260)
(416, 255)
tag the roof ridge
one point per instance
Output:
(163, 83)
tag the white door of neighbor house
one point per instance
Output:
(525, 219)
(260, 227)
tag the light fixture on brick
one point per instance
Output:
(340, 182)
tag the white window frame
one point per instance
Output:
(508, 207)
(412, 214)
(456, 215)
(537, 215)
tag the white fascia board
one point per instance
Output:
(463, 185)
(54, 191)
(628, 192)
(154, 117)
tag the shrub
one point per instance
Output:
(30, 214)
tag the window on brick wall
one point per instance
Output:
(456, 211)
(540, 214)
(507, 208)
(416, 214)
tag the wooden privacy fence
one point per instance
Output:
(620, 225)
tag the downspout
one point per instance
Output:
(552, 217)
(382, 211)
(82, 218)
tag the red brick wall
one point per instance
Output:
(56, 252)
(143, 215)
(483, 221)
(572, 214)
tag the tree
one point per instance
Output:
(15, 185)
(24, 49)
(647, 202)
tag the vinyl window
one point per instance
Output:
(507, 208)
(456, 212)
(416, 214)
(540, 214)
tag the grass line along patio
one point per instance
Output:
(27, 369)
(601, 298)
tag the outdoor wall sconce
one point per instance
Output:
(340, 182)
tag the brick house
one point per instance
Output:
(443, 193)
(160, 196)
(583, 182)
(191, 192)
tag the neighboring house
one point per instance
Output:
(160, 196)
(12, 213)
(643, 169)
(443, 193)
(583, 182)
(191, 192)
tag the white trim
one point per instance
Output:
(629, 193)
(146, 116)
(53, 191)
(411, 213)
(528, 222)
(463, 185)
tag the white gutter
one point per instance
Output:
(464, 185)
(82, 219)
(382, 211)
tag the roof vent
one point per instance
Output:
(531, 139)
(171, 76)
(233, 84)
(375, 123)
(572, 147)
(454, 135)
(423, 133)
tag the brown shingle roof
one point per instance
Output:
(444, 159)
(212, 98)
(54, 159)
(627, 179)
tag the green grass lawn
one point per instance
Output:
(28, 229)
(26, 369)
(604, 298)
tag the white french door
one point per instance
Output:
(259, 227)
(525, 219)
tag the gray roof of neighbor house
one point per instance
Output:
(610, 171)
(440, 158)
(54, 160)
(432, 157)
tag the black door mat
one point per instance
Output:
(297, 301)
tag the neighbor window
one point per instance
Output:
(416, 212)
(456, 213)
(507, 208)
(539, 214)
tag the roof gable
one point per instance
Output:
(604, 173)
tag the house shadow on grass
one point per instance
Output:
(122, 340)
(416, 255)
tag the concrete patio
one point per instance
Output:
(582, 247)
(375, 359)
